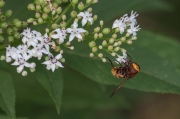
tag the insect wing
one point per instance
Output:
(120, 85)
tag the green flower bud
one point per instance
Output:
(88, 1)
(30, 20)
(15, 29)
(8, 13)
(94, 49)
(0, 12)
(110, 48)
(54, 26)
(73, 14)
(92, 44)
(2, 18)
(40, 20)
(31, 6)
(59, 10)
(1, 39)
(18, 23)
(37, 15)
(15, 20)
(134, 38)
(100, 55)
(111, 41)
(2, 3)
(41, 2)
(117, 30)
(55, 5)
(100, 35)
(106, 31)
(62, 60)
(91, 55)
(57, 48)
(116, 49)
(10, 39)
(97, 29)
(63, 24)
(58, 1)
(32, 69)
(65, 1)
(114, 36)
(24, 73)
(104, 43)
(44, 16)
(38, 7)
(24, 24)
(81, 6)
(9, 31)
(63, 17)
(3, 57)
(3, 25)
(1, 31)
(95, 17)
(95, 36)
(17, 35)
(129, 42)
(95, 1)
(34, 23)
(74, 2)
(47, 9)
(123, 39)
(101, 23)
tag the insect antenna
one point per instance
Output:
(110, 62)
(129, 57)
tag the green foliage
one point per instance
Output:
(81, 86)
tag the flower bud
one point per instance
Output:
(9, 31)
(1, 31)
(46, 9)
(40, 20)
(95, 17)
(2, 3)
(3, 57)
(100, 46)
(111, 41)
(10, 39)
(38, 7)
(97, 29)
(101, 23)
(44, 16)
(74, 2)
(1, 39)
(89, 9)
(17, 35)
(110, 48)
(134, 38)
(30, 20)
(104, 43)
(113, 54)
(100, 55)
(63, 24)
(116, 49)
(63, 17)
(24, 24)
(95, 36)
(59, 10)
(92, 44)
(95, 1)
(62, 60)
(123, 39)
(128, 34)
(72, 47)
(100, 35)
(18, 24)
(129, 42)
(3, 25)
(94, 49)
(114, 36)
(31, 6)
(88, 1)
(104, 59)
(2, 18)
(37, 15)
(106, 31)
(81, 6)
(24, 73)
(91, 55)
(32, 69)
(54, 26)
(8, 13)
(73, 14)
(55, 5)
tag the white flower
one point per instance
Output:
(133, 29)
(21, 63)
(75, 32)
(132, 18)
(53, 62)
(29, 37)
(61, 35)
(38, 51)
(86, 17)
(122, 58)
(12, 52)
(119, 24)
(45, 41)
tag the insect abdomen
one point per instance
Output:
(118, 72)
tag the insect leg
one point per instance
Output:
(110, 62)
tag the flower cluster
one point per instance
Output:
(61, 31)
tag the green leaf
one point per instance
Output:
(7, 94)
(121, 7)
(5, 117)
(52, 82)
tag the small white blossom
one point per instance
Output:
(86, 17)
(45, 41)
(133, 30)
(29, 37)
(132, 18)
(53, 62)
(75, 32)
(122, 58)
(21, 63)
(119, 24)
(61, 35)
(12, 52)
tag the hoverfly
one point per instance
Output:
(129, 70)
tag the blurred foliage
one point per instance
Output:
(84, 83)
